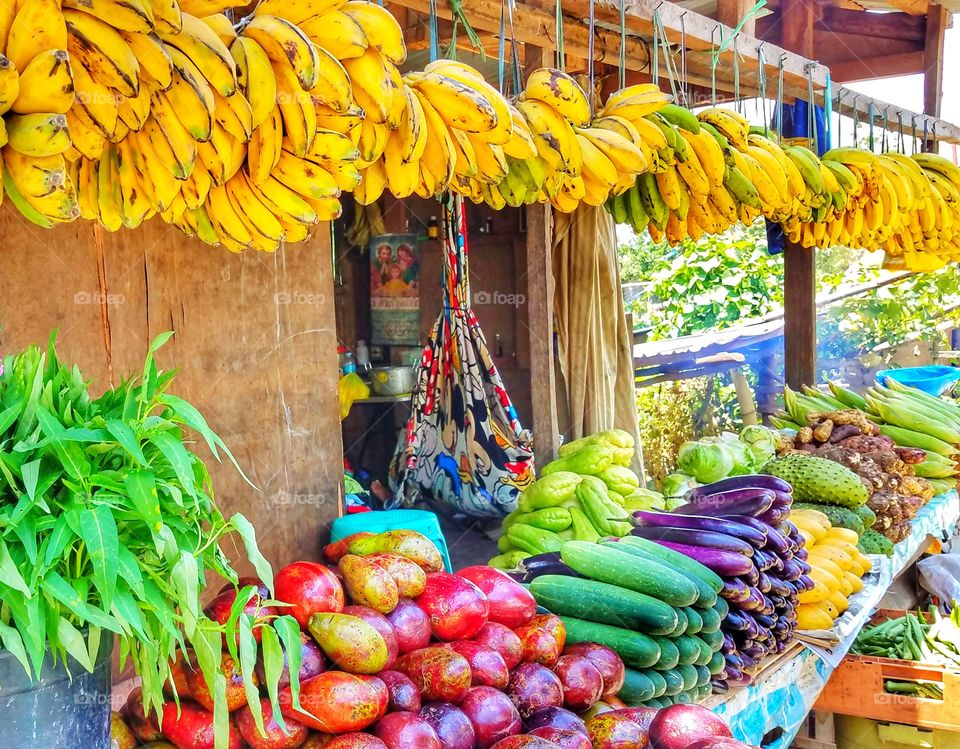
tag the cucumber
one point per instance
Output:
(610, 565)
(703, 676)
(694, 620)
(706, 653)
(684, 698)
(657, 703)
(689, 675)
(704, 691)
(674, 682)
(688, 648)
(637, 688)
(666, 701)
(711, 619)
(681, 623)
(659, 684)
(713, 639)
(604, 603)
(636, 649)
(676, 560)
(716, 664)
(669, 654)
(722, 608)
(705, 592)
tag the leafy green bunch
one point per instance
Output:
(108, 527)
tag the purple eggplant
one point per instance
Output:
(763, 584)
(754, 481)
(792, 569)
(737, 621)
(752, 628)
(735, 591)
(765, 620)
(777, 542)
(704, 539)
(728, 646)
(719, 686)
(749, 661)
(753, 602)
(650, 518)
(801, 553)
(751, 576)
(778, 588)
(782, 499)
(737, 678)
(542, 564)
(724, 563)
(736, 502)
(732, 659)
(774, 516)
(806, 581)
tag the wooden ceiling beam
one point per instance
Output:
(937, 20)
(902, 26)
(913, 7)
(885, 66)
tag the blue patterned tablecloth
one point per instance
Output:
(770, 712)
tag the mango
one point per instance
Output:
(369, 584)
(414, 546)
(409, 576)
(350, 642)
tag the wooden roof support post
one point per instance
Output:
(937, 19)
(800, 269)
(543, 388)
(731, 12)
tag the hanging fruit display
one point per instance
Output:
(245, 135)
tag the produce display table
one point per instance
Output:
(770, 711)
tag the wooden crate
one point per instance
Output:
(856, 688)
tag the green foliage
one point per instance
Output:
(108, 528)
(713, 283)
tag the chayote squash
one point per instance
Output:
(549, 518)
(605, 515)
(619, 479)
(509, 560)
(588, 460)
(534, 540)
(582, 528)
(549, 491)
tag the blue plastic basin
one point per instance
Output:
(930, 379)
(379, 521)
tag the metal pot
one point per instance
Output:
(392, 380)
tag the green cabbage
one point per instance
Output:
(705, 461)
(761, 442)
(676, 485)
(739, 452)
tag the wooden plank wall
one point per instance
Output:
(255, 346)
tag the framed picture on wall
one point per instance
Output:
(395, 290)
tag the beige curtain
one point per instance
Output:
(594, 345)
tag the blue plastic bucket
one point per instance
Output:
(379, 521)
(930, 379)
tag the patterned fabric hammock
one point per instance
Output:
(463, 443)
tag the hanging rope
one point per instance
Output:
(762, 71)
(591, 30)
(684, 83)
(655, 72)
(811, 107)
(913, 134)
(434, 32)
(672, 74)
(724, 43)
(561, 53)
(839, 116)
(828, 112)
(901, 146)
(856, 120)
(886, 129)
(713, 64)
(870, 115)
(780, 96)
(502, 46)
(737, 103)
(514, 54)
(622, 62)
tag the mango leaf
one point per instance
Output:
(127, 439)
(125, 609)
(129, 569)
(248, 662)
(13, 643)
(249, 536)
(272, 671)
(72, 641)
(71, 455)
(56, 586)
(26, 531)
(289, 630)
(98, 530)
(184, 578)
(60, 536)
(143, 492)
(231, 630)
(9, 572)
(207, 647)
(176, 454)
(30, 473)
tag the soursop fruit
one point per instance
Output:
(867, 515)
(818, 480)
(872, 542)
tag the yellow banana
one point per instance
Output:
(381, 28)
(38, 134)
(461, 106)
(560, 91)
(257, 216)
(338, 33)
(85, 136)
(9, 84)
(333, 88)
(297, 11)
(263, 150)
(156, 67)
(38, 25)
(553, 131)
(129, 15)
(296, 106)
(101, 49)
(219, 24)
(255, 78)
(286, 45)
(207, 51)
(305, 177)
